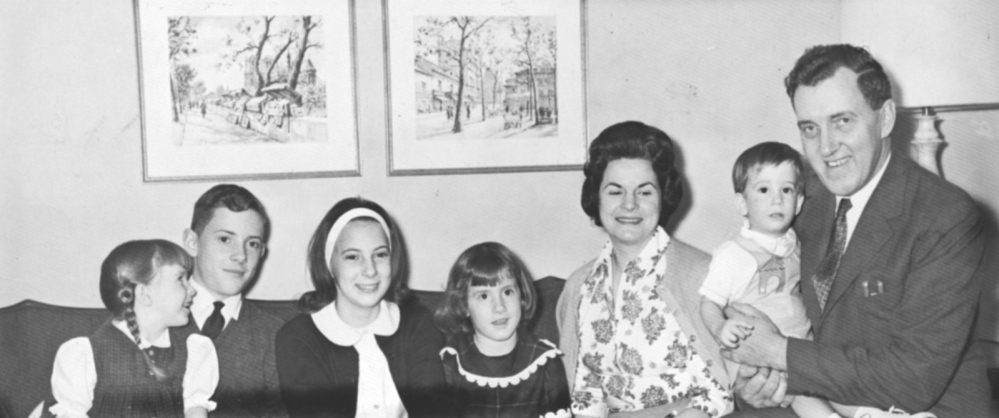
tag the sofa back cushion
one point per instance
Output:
(31, 333)
(543, 325)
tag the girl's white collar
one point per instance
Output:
(339, 333)
(513, 380)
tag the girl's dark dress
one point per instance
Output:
(319, 378)
(528, 382)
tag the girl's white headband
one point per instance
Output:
(348, 216)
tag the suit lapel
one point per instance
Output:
(873, 230)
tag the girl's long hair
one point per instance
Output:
(131, 264)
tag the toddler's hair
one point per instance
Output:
(763, 154)
(133, 263)
(482, 264)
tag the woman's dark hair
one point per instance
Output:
(482, 264)
(632, 140)
(319, 270)
(131, 264)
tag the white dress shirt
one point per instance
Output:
(858, 201)
(204, 304)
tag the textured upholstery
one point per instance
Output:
(31, 333)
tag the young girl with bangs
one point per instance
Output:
(141, 362)
(493, 364)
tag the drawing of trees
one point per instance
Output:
(234, 74)
(182, 35)
(486, 54)
(528, 42)
(184, 82)
(467, 26)
(303, 45)
(497, 64)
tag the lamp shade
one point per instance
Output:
(937, 52)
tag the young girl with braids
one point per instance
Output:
(141, 362)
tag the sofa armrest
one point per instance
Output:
(30, 334)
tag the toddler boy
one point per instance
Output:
(760, 265)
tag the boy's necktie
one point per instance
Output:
(830, 264)
(215, 322)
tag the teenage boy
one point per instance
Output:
(228, 238)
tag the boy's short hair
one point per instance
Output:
(229, 196)
(767, 153)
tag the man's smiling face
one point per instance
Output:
(844, 140)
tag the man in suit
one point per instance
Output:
(227, 239)
(891, 258)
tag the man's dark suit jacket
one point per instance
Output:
(909, 346)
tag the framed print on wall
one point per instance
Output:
(485, 86)
(247, 90)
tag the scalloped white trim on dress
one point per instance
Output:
(505, 381)
(561, 413)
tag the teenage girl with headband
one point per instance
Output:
(361, 350)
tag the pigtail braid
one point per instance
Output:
(127, 297)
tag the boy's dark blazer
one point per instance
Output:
(248, 382)
(905, 340)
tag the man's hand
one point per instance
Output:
(761, 387)
(765, 348)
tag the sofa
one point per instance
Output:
(31, 333)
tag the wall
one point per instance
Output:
(708, 72)
(968, 159)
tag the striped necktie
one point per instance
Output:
(830, 264)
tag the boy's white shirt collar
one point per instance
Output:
(859, 199)
(162, 342)
(204, 304)
(340, 333)
(781, 246)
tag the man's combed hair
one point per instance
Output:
(764, 154)
(819, 63)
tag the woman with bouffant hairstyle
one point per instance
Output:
(629, 321)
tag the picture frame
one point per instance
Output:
(485, 86)
(253, 89)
